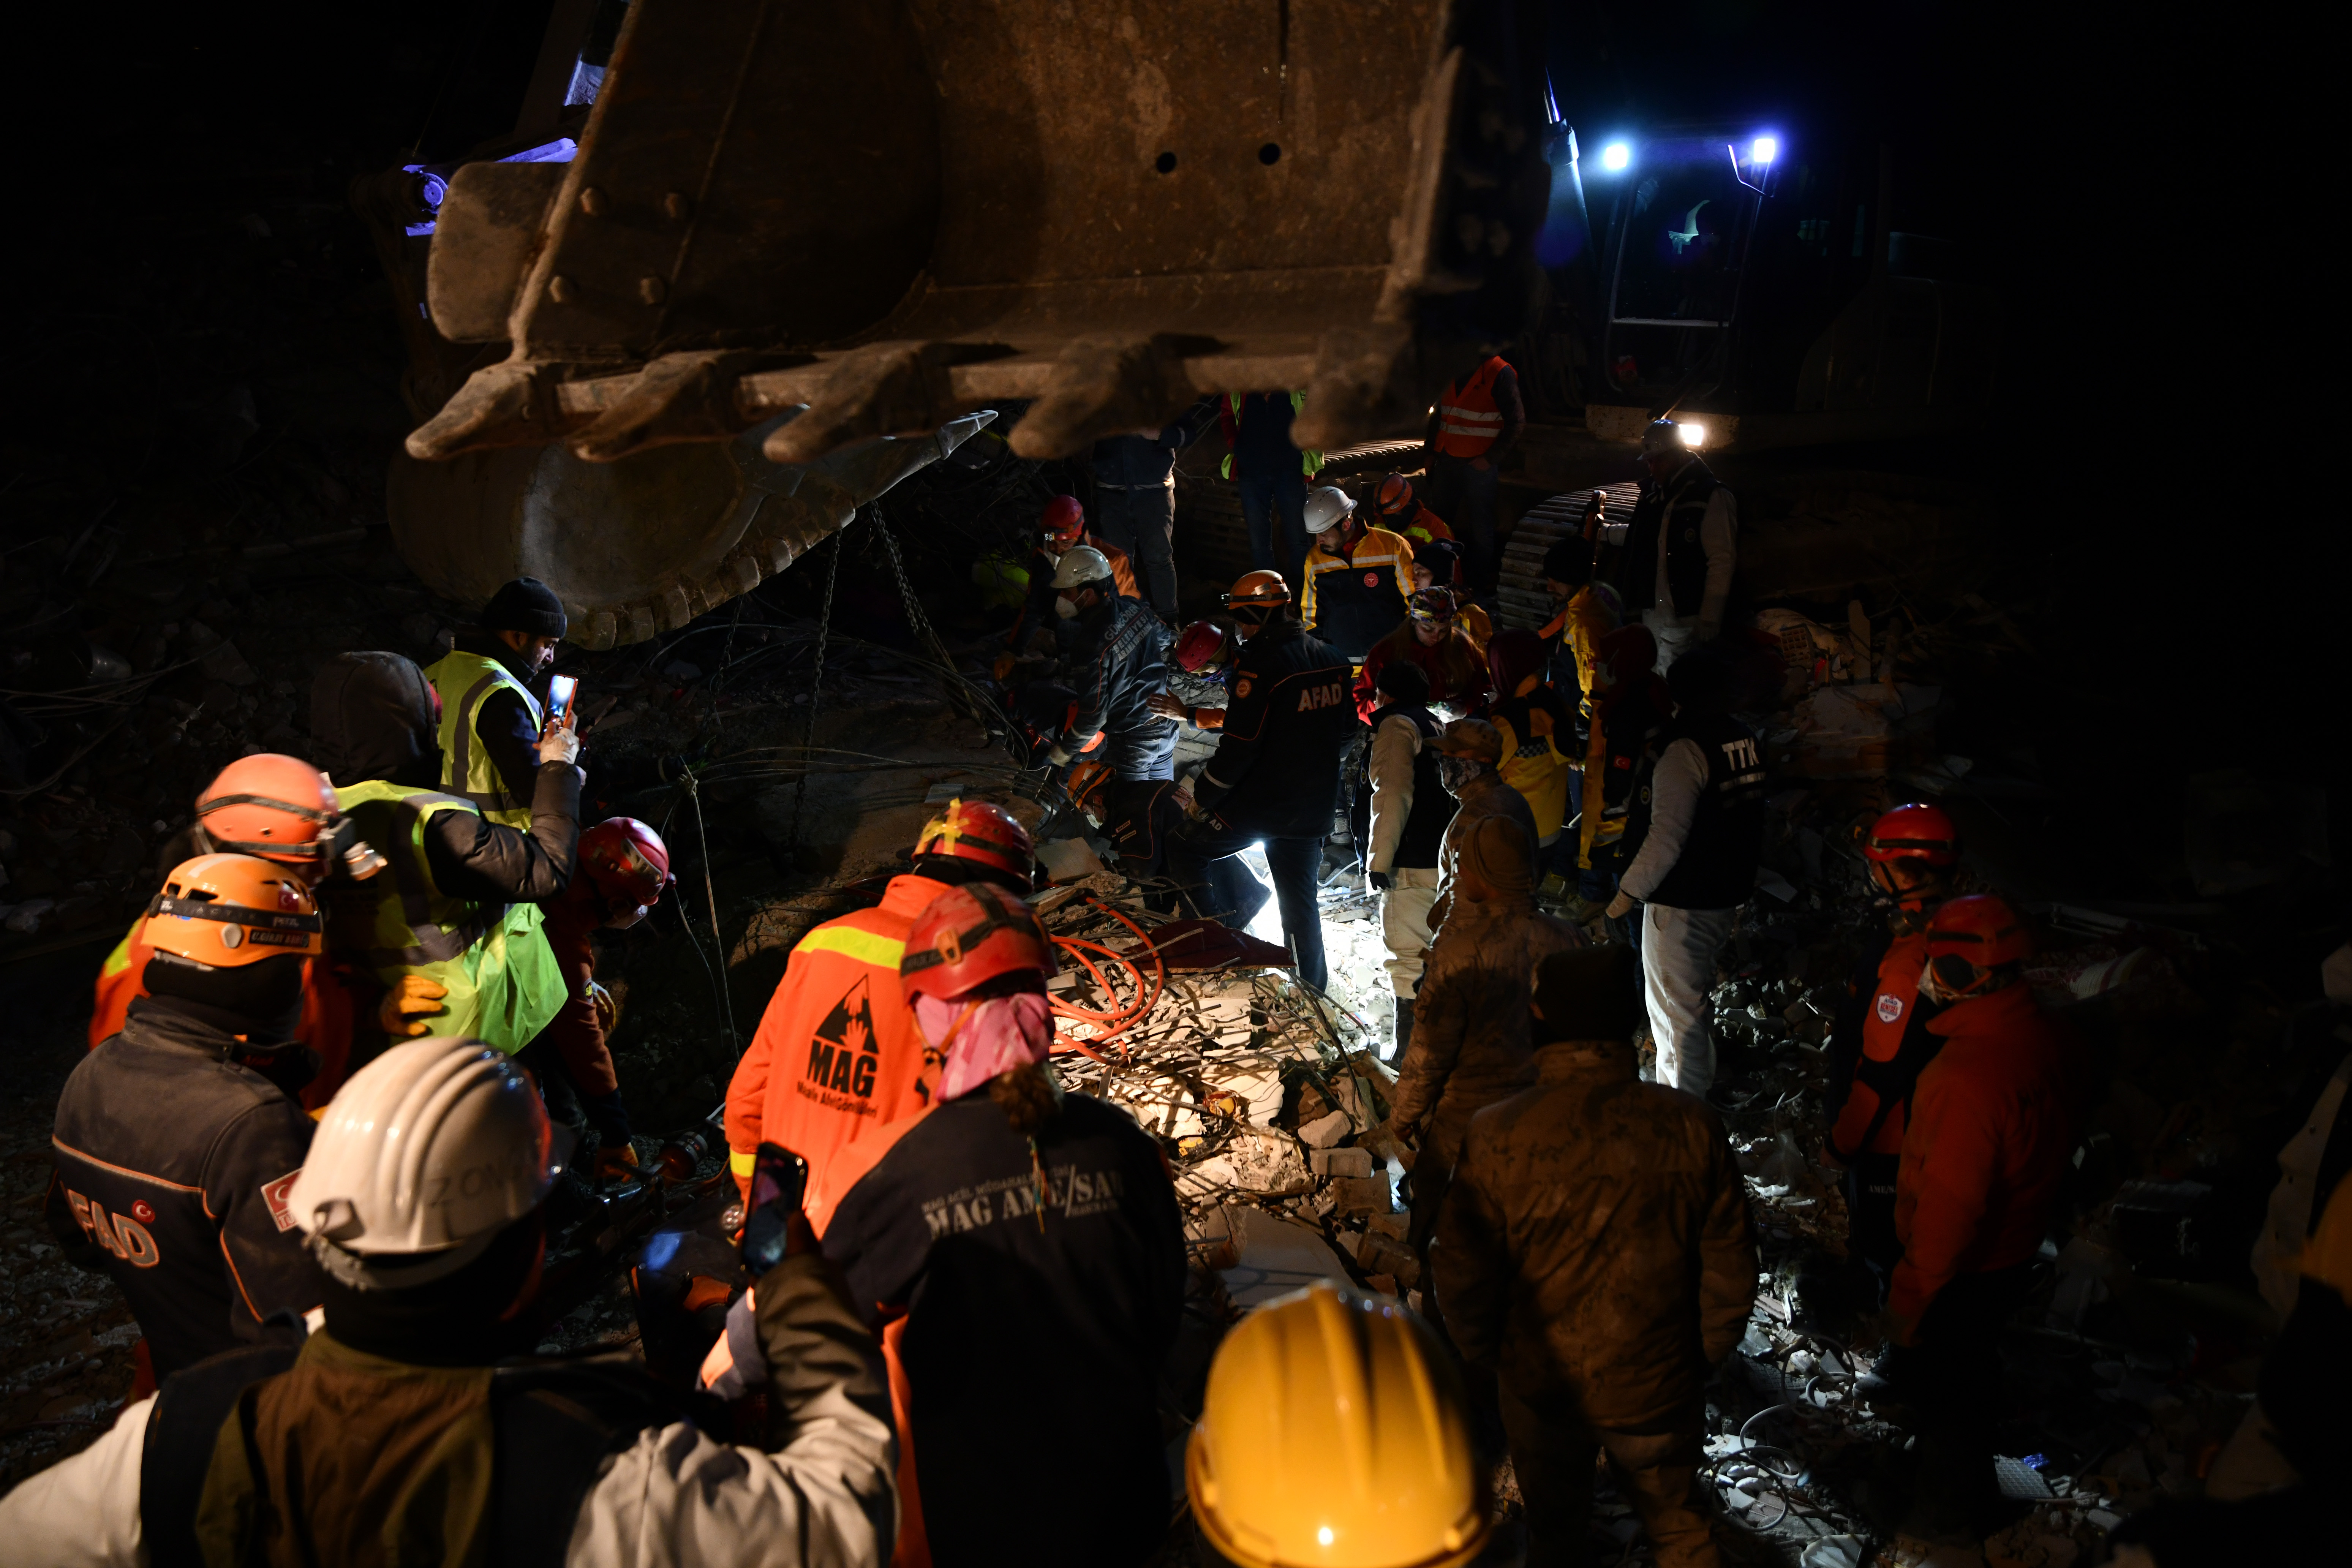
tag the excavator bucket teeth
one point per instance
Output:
(644, 544)
(894, 211)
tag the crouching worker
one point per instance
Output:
(1333, 1430)
(1030, 1243)
(1595, 1252)
(391, 1436)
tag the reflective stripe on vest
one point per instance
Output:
(864, 946)
(503, 980)
(465, 680)
(1468, 420)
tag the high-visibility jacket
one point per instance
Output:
(1896, 1045)
(1352, 601)
(1469, 420)
(1538, 754)
(837, 1054)
(504, 983)
(325, 1025)
(1230, 416)
(1423, 527)
(464, 679)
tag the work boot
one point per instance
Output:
(1403, 1027)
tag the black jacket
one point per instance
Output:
(1276, 770)
(1033, 1331)
(1678, 506)
(172, 1166)
(1122, 663)
(471, 857)
(1144, 815)
(1149, 462)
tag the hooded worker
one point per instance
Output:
(491, 715)
(1469, 766)
(452, 931)
(398, 1432)
(175, 1138)
(1539, 732)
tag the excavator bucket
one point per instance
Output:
(896, 210)
(644, 545)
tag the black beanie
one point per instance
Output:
(261, 1001)
(1590, 993)
(525, 604)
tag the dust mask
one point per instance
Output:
(1065, 607)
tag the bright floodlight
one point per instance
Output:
(1767, 148)
(1693, 435)
(1615, 156)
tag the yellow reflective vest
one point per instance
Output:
(504, 983)
(464, 680)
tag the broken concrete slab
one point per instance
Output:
(1371, 1195)
(1261, 1256)
(1340, 1162)
(1254, 1160)
(1325, 1132)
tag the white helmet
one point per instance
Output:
(1328, 507)
(1079, 565)
(421, 1160)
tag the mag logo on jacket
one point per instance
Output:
(839, 1073)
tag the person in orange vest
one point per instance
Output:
(1357, 578)
(1401, 511)
(1879, 1040)
(836, 1055)
(282, 810)
(1475, 423)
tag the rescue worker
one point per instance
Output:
(1356, 578)
(1139, 816)
(836, 1052)
(1681, 545)
(1121, 663)
(1631, 705)
(1334, 1429)
(1202, 649)
(1438, 564)
(1061, 528)
(1401, 511)
(1270, 474)
(1470, 757)
(490, 718)
(1470, 1042)
(1405, 809)
(1274, 778)
(1431, 639)
(1596, 1252)
(1135, 495)
(396, 1434)
(1879, 1040)
(1477, 422)
(175, 1139)
(282, 810)
(1700, 832)
(452, 931)
(1994, 1122)
(1030, 1241)
(1589, 611)
(623, 868)
(1538, 735)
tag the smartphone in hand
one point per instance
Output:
(561, 689)
(778, 1182)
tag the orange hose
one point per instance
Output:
(1115, 1021)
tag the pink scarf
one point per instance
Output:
(984, 1039)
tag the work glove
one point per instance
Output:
(411, 999)
(1058, 757)
(1379, 880)
(608, 1012)
(1621, 905)
(614, 1161)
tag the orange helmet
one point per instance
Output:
(227, 910)
(1916, 832)
(970, 935)
(979, 830)
(1395, 495)
(1258, 590)
(1088, 785)
(1968, 938)
(1063, 522)
(279, 807)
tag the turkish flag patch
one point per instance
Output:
(1372, 579)
(276, 1195)
(1889, 1009)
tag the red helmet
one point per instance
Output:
(627, 860)
(969, 935)
(1914, 832)
(1202, 646)
(978, 830)
(279, 807)
(1395, 495)
(1970, 937)
(1063, 521)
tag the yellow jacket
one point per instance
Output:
(1533, 723)
(1588, 616)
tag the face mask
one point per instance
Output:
(1455, 772)
(1066, 607)
(984, 1040)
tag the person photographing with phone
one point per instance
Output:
(491, 720)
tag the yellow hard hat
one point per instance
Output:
(1333, 1435)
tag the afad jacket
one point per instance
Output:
(1994, 1127)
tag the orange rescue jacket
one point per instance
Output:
(1887, 1017)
